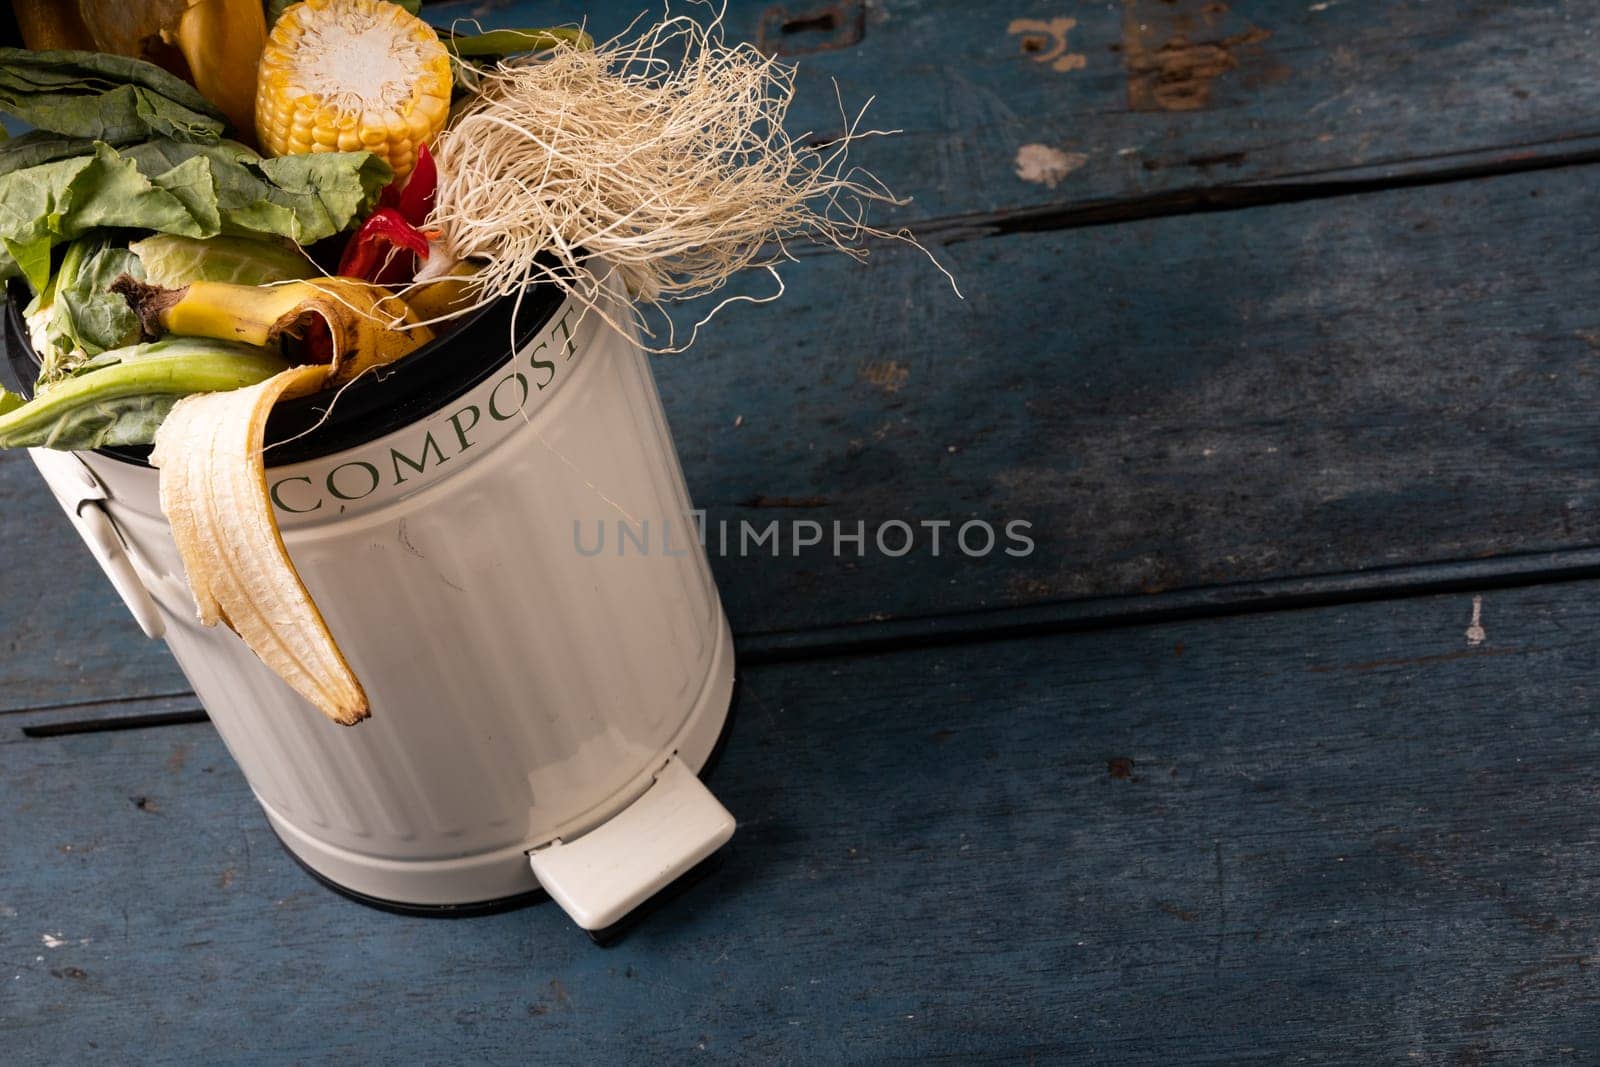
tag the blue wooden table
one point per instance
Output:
(1281, 330)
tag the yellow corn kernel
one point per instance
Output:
(343, 75)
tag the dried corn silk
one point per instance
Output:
(664, 155)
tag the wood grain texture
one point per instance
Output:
(1332, 836)
(1222, 400)
(1313, 389)
(1167, 101)
(65, 637)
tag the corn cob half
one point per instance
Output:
(352, 75)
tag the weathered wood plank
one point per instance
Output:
(1331, 836)
(1161, 99)
(66, 637)
(1222, 400)
(1219, 400)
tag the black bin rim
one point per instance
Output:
(376, 404)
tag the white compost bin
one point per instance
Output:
(542, 699)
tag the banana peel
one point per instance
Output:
(439, 297)
(213, 478)
(214, 494)
(368, 324)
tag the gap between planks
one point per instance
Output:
(1219, 601)
(1471, 165)
(1000, 624)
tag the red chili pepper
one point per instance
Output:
(381, 250)
(416, 199)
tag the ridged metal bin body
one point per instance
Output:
(524, 686)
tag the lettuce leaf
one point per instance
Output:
(32, 260)
(97, 422)
(77, 316)
(173, 262)
(41, 146)
(186, 189)
(92, 315)
(304, 198)
(45, 205)
(121, 396)
(104, 97)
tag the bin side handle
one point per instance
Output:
(79, 493)
(600, 877)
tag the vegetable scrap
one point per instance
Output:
(225, 203)
(213, 477)
(352, 74)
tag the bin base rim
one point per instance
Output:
(470, 910)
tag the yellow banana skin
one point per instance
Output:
(214, 494)
(213, 480)
(436, 299)
(222, 41)
(370, 326)
(223, 311)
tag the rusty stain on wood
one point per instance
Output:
(888, 375)
(1046, 42)
(1177, 74)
